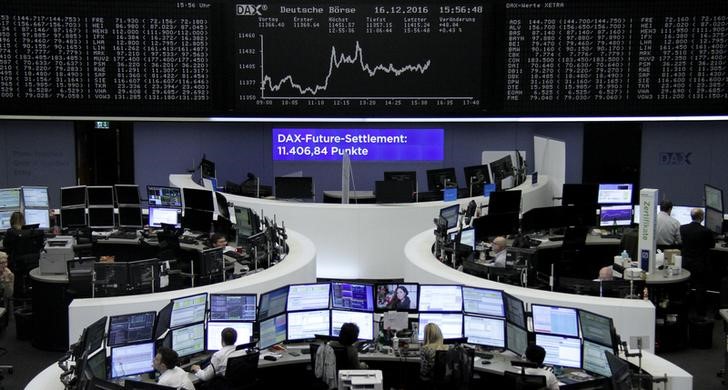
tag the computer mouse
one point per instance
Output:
(270, 357)
(485, 362)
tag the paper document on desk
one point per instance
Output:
(395, 320)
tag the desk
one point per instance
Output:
(354, 197)
(50, 311)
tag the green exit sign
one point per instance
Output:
(102, 125)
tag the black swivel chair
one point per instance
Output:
(241, 372)
(521, 381)
(23, 248)
(572, 252)
(342, 359)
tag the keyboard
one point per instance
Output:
(124, 235)
(556, 238)
(188, 240)
(617, 236)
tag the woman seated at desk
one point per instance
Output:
(433, 343)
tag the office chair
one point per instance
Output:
(572, 251)
(23, 248)
(169, 248)
(241, 372)
(342, 359)
(521, 381)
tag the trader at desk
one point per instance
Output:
(498, 248)
(170, 373)
(218, 362)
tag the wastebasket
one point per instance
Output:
(701, 333)
(23, 322)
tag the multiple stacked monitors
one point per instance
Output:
(441, 298)
(308, 297)
(35, 197)
(188, 310)
(214, 330)
(365, 322)
(484, 331)
(399, 297)
(232, 307)
(555, 320)
(560, 351)
(39, 217)
(131, 328)
(303, 325)
(189, 340)
(352, 296)
(132, 359)
(273, 331)
(273, 303)
(614, 194)
(450, 324)
(483, 301)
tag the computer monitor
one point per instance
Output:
(38, 216)
(244, 331)
(232, 307)
(515, 312)
(365, 322)
(163, 319)
(555, 320)
(132, 359)
(615, 215)
(595, 358)
(94, 335)
(111, 279)
(615, 194)
(393, 191)
(502, 202)
(596, 328)
(467, 237)
(441, 298)
(207, 169)
(211, 262)
(197, 220)
(543, 218)
(35, 197)
(713, 197)
(127, 194)
(159, 216)
(450, 214)
(10, 198)
(439, 179)
(143, 276)
(714, 220)
(100, 196)
(273, 331)
(493, 225)
(483, 301)
(101, 217)
(198, 199)
(96, 364)
(73, 196)
(398, 297)
(164, 197)
(131, 328)
(403, 176)
(305, 325)
(516, 339)
(451, 324)
(130, 217)
(189, 340)
(308, 296)
(352, 296)
(501, 169)
(560, 351)
(485, 331)
(71, 218)
(580, 195)
(294, 187)
(273, 303)
(5, 216)
(681, 213)
(245, 222)
(476, 176)
(188, 310)
(621, 374)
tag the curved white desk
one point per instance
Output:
(298, 267)
(632, 318)
(364, 241)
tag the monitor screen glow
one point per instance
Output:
(10, 198)
(189, 340)
(164, 197)
(713, 198)
(483, 301)
(38, 216)
(399, 297)
(614, 194)
(365, 322)
(131, 328)
(303, 325)
(273, 331)
(132, 360)
(618, 215)
(158, 216)
(188, 310)
(354, 296)
(682, 214)
(5, 219)
(516, 339)
(515, 312)
(272, 303)
(450, 214)
(35, 197)
(467, 237)
(232, 307)
(561, 351)
(595, 327)
(441, 298)
(555, 320)
(484, 331)
(451, 325)
(308, 296)
(595, 358)
(214, 333)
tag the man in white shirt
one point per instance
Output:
(171, 375)
(536, 354)
(499, 252)
(668, 228)
(218, 362)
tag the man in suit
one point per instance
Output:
(697, 240)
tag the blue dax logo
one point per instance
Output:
(675, 158)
